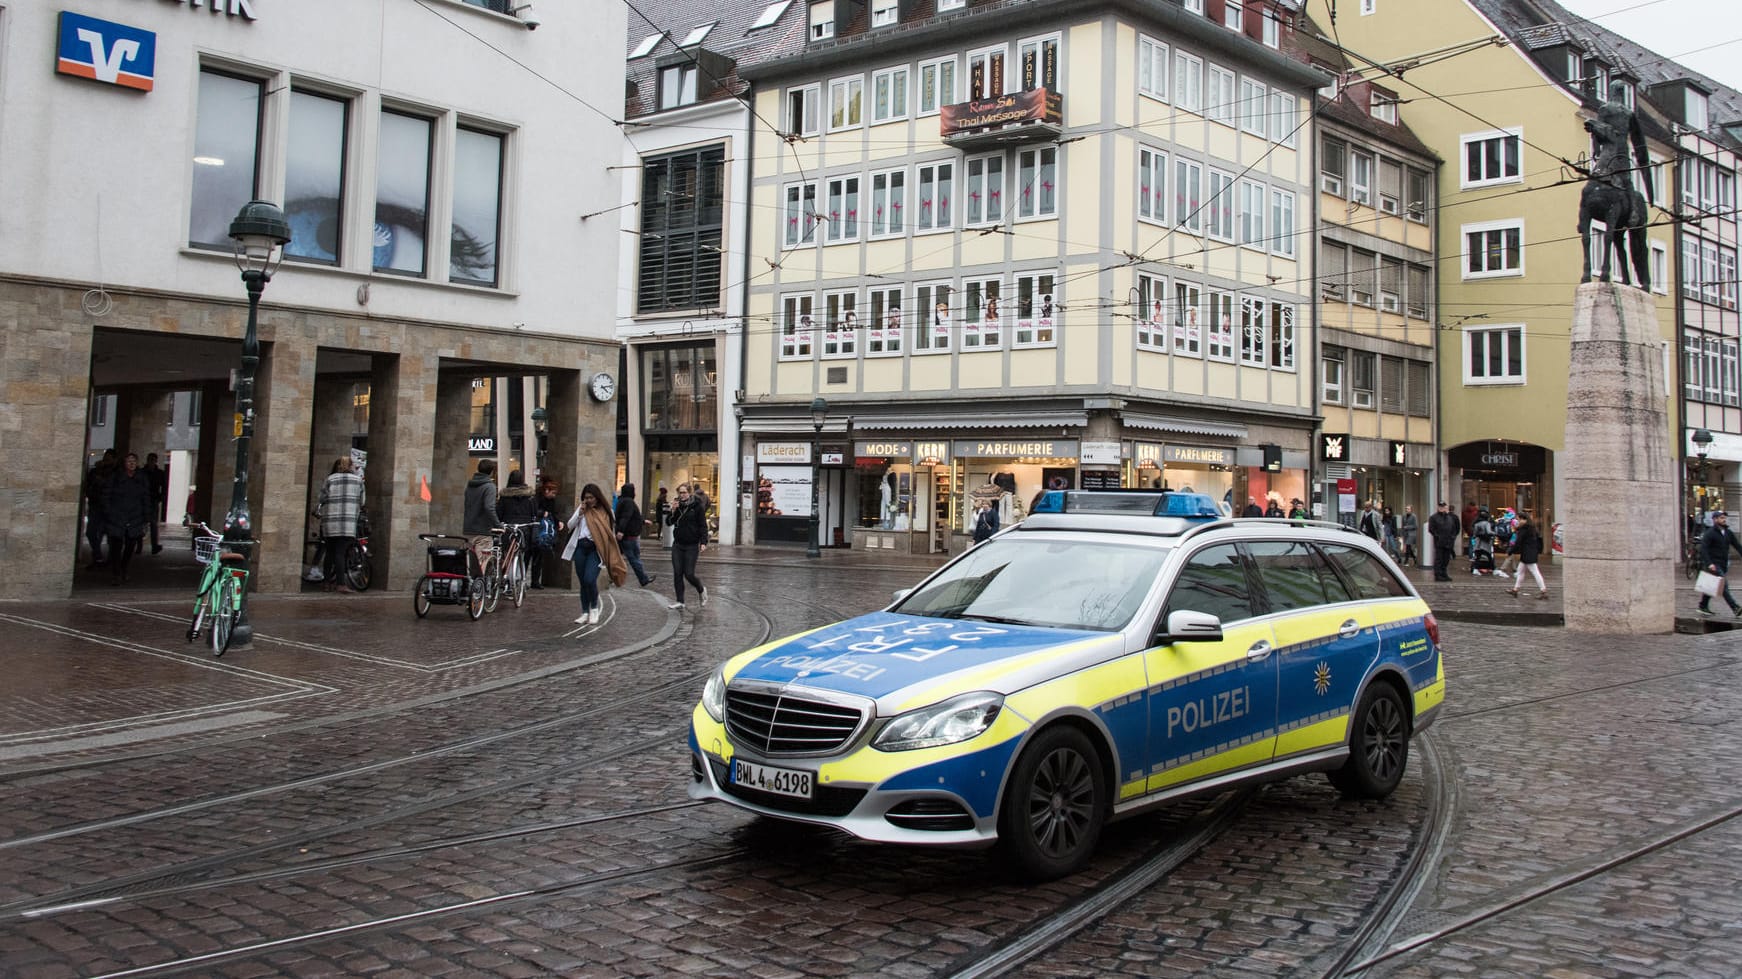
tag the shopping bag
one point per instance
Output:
(1709, 584)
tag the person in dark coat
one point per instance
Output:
(1715, 546)
(630, 523)
(1407, 530)
(550, 508)
(1443, 527)
(126, 510)
(1252, 508)
(1469, 525)
(1529, 549)
(516, 504)
(689, 537)
(1274, 509)
(159, 480)
(96, 485)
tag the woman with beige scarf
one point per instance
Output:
(592, 545)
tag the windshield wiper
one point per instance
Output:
(1000, 619)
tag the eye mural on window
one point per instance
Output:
(402, 194)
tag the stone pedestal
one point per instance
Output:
(1617, 470)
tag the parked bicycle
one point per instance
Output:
(1691, 558)
(356, 567)
(517, 560)
(218, 601)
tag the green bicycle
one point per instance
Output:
(218, 602)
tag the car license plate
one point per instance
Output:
(766, 778)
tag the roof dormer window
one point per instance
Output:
(695, 36)
(884, 12)
(953, 4)
(1696, 109)
(1383, 106)
(822, 20)
(1232, 13)
(646, 46)
(770, 14)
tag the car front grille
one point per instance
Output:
(773, 723)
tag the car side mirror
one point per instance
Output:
(1188, 626)
(899, 594)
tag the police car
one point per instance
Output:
(1113, 652)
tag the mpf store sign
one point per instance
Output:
(106, 52)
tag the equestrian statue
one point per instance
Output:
(1609, 194)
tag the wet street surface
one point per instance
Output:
(361, 792)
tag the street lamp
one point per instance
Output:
(1702, 445)
(819, 413)
(540, 426)
(260, 233)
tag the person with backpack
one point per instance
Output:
(550, 517)
(630, 523)
(985, 522)
(1529, 544)
(689, 537)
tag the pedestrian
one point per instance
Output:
(1297, 510)
(985, 522)
(340, 510)
(1469, 524)
(159, 481)
(1506, 533)
(1370, 524)
(126, 510)
(1482, 545)
(1252, 508)
(1529, 549)
(662, 515)
(96, 485)
(1275, 508)
(593, 545)
(1715, 546)
(1388, 525)
(1443, 528)
(1408, 529)
(550, 515)
(689, 538)
(517, 504)
(480, 509)
(630, 524)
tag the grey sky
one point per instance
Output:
(1675, 29)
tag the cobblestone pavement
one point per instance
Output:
(365, 793)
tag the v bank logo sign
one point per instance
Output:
(106, 52)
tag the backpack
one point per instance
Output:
(986, 524)
(547, 534)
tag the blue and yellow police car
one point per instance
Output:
(1115, 651)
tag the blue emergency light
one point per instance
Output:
(1134, 502)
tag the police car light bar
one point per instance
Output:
(1134, 502)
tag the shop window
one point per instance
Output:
(314, 177)
(1151, 314)
(889, 94)
(483, 407)
(985, 189)
(1252, 205)
(800, 215)
(842, 216)
(888, 203)
(932, 304)
(1151, 185)
(803, 115)
(682, 219)
(1361, 371)
(885, 329)
(402, 193)
(936, 185)
(226, 156)
(1188, 189)
(1221, 207)
(1331, 376)
(1494, 355)
(840, 324)
(1188, 82)
(1282, 336)
(1187, 308)
(1037, 176)
(982, 314)
(797, 327)
(679, 385)
(937, 85)
(1282, 230)
(1151, 67)
(1253, 330)
(846, 102)
(1220, 315)
(1037, 310)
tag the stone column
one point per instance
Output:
(279, 464)
(402, 393)
(329, 439)
(1618, 468)
(450, 466)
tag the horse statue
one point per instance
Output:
(1609, 195)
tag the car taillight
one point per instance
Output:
(1433, 629)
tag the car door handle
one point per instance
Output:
(1350, 629)
(1259, 650)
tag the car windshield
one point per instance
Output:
(1042, 580)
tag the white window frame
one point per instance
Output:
(1335, 184)
(840, 324)
(1282, 337)
(1219, 313)
(984, 318)
(885, 12)
(933, 329)
(1714, 374)
(1727, 276)
(1331, 367)
(1254, 105)
(822, 20)
(1391, 203)
(1152, 68)
(1709, 284)
(1039, 44)
(1692, 388)
(1272, 29)
(1729, 378)
(996, 86)
(1254, 331)
(1383, 107)
(979, 212)
(1154, 313)
(803, 232)
(797, 326)
(942, 217)
(1361, 167)
(1233, 15)
(1254, 207)
(1505, 333)
(1659, 268)
(843, 224)
(1188, 184)
(1282, 223)
(1284, 117)
(769, 15)
(677, 85)
(888, 204)
(1516, 134)
(1037, 325)
(1193, 6)
(936, 67)
(809, 108)
(1486, 228)
(1188, 82)
(1220, 191)
(646, 46)
(1369, 7)
(1362, 362)
(951, 4)
(1186, 313)
(898, 79)
(885, 325)
(1220, 86)
(697, 34)
(1690, 252)
(847, 101)
(1151, 173)
(1037, 196)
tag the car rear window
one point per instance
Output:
(1213, 581)
(1294, 575)
(1364, 572)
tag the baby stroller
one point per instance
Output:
(453, 576)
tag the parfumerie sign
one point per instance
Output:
(232, 8)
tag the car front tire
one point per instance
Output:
(1378, 745)
(1054, 806)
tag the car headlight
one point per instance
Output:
(956, 719)
(714, 696)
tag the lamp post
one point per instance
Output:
(540, 426)
(260, 233)
(1702, 445)
(819, 413)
